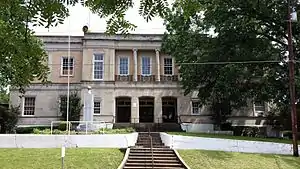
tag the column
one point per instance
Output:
(157, 110)
(135, 64)
(157, 64)
(135, 110)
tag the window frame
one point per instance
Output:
(150, 66)
(62, 66)
(119, 65)
(257, 112)
(98, 61)
(192, 108)
(172, 66)
(24, 106)
(98, 108)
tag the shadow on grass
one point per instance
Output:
(123, 150)
(219, 155)
(288, 159)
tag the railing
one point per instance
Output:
(124, 78)
(88, 125)
(151, 146)
(146, 78)
(169, 78)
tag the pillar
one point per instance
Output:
(135, 110)
(135, 64)
(157, 110)
(157, 64)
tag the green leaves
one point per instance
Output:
(22, 55)
(244, 31)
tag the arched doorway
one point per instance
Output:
(146, 109)
(123, 109)
(169, 109)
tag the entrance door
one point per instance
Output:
(146, 109)
(169, 109)
(123, 109)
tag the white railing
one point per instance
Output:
(89, 125)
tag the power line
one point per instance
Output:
(191, 63)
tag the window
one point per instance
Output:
(168, 66)
(259, 107)
(63, 104)
(29, 106)
(98, 66)
(196, 107)
(97, 107)
(67, 66)
(123, 67)
(146, 66)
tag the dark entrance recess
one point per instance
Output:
(146, 109)
(123, 109)
(169, 109)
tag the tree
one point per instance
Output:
(8, 118)
(244, 30)
(21, 53)
(4, 96)
(75, 107)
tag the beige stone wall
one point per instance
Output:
(109, 63)
(124, 53)
(54, 63)
(108, 90)
(147, 53)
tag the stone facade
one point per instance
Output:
(156, 85)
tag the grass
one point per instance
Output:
(223, 136)
(76, 158)
(198, 159)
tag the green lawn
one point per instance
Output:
(200, 159)
(223, 136)
(76, 158)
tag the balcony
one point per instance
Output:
(124, 78)
(169, 78)
(146, 78)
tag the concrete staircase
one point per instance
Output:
(142, 156)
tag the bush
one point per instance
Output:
(8, 119)
(115, 131)
(63, 126)
(29, 130)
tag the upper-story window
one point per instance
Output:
(123, 66)
(98, 69)
(146, 66)
(67, 66)
(259, 108)
(168, 66)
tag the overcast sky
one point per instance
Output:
(80, 16)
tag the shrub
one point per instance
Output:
(8, 119)
(115, 131)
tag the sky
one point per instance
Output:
(80, 16)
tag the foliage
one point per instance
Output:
(75, 106)
(8, 119)
(4, 96)
(28, 130)
(115, 131)
(22, 56)
(245, 31)
(100, 131)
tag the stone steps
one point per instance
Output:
(156, 156)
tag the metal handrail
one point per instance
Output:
(151, 146)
